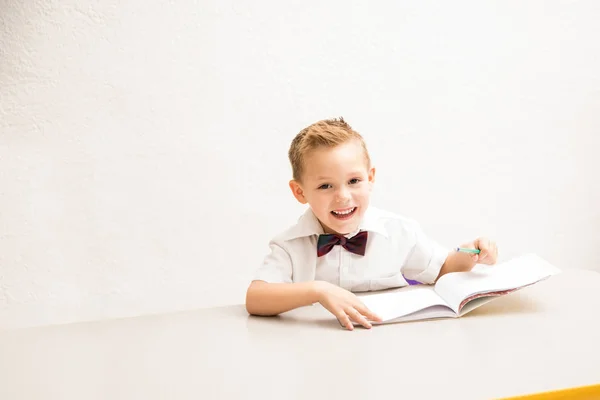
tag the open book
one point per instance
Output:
(458, 293)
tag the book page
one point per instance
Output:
(405, 301)
(432, 312)
(487, 279)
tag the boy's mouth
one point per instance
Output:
(344, 213)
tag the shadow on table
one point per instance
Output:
(314, 317)
(512, 304)
(309, 317)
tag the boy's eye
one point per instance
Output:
(354, 181)
(325, 186)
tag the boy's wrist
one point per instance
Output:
(316, 290)
(456, 262)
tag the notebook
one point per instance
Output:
(455, 294)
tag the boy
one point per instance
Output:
(341, 244)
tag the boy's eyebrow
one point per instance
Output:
(326, 178)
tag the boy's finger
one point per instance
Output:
(481, 243)
(492, 253)
(367, 313)
(494, 249)
(358, 318)
(484, 247)
(345, 320)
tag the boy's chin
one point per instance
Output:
(344, 228)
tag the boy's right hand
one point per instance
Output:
(345, 305)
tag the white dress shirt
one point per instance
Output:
(396, 248)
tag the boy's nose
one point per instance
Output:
(342, 195)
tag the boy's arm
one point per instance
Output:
(264, 298)
(428, 261)
(462, 262)
(273, 292)
(268, 299)
(456, 262)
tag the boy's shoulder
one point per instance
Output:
(306, 225)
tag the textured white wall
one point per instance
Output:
(143, 146)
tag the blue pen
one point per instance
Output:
(464, 250)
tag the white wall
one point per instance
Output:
(143, 146)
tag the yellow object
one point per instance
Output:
(582, 392)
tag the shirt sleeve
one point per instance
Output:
(276, 266)
(426, 258)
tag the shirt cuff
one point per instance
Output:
(438, 258)
(271, 276)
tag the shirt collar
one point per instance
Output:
(309, 225)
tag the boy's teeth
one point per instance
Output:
(344, 212)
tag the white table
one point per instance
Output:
(545, 337)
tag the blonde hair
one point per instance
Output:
(326, 133)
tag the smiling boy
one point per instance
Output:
(342, 244)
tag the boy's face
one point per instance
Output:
(336, 183)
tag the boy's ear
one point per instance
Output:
(297, 191)
(372, 175)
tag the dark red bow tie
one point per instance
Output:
(356, 244)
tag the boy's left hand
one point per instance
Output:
(462, 262)
(488, 251)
